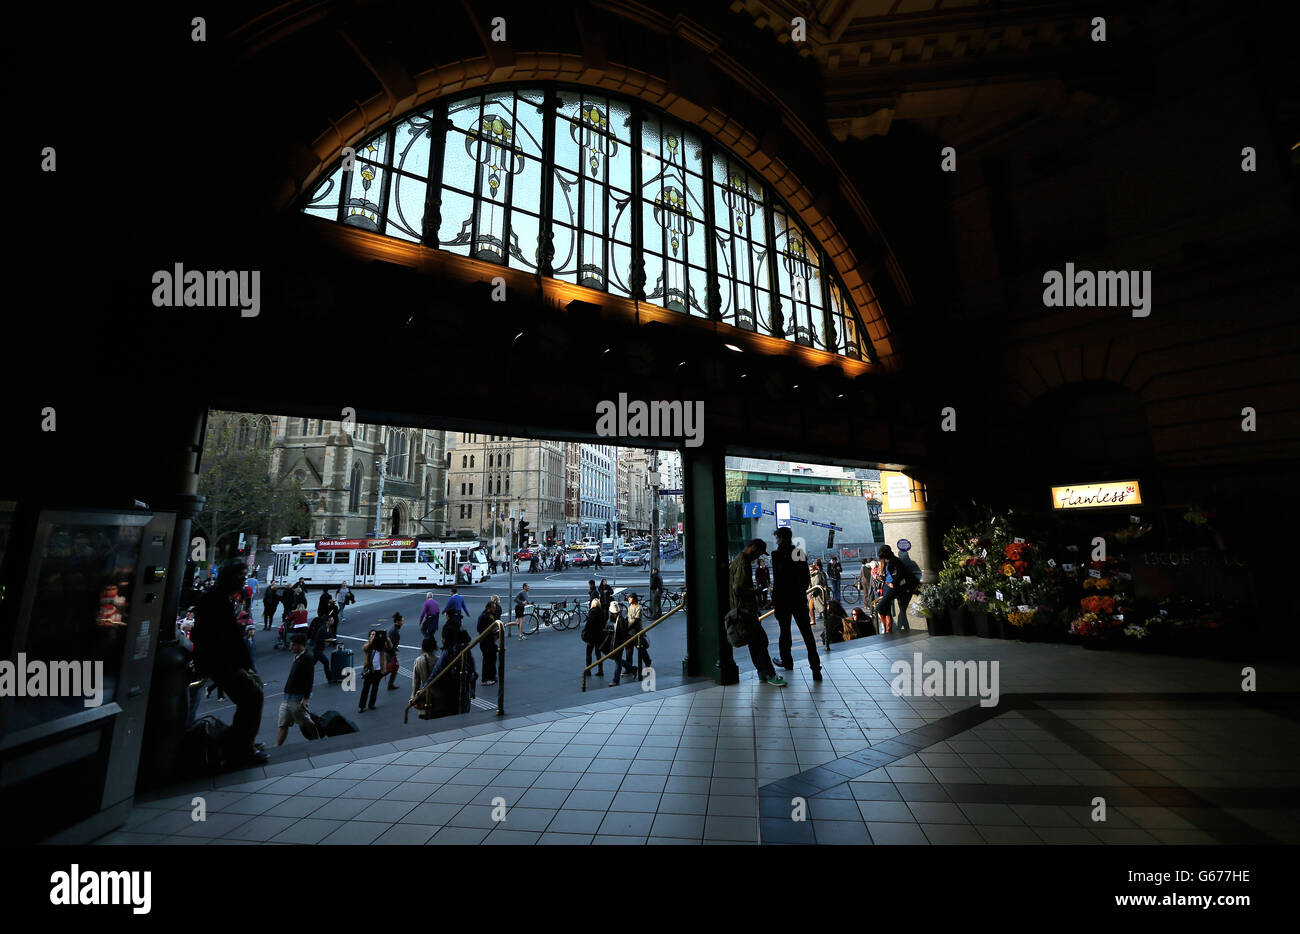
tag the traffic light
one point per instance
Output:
(523, 531)
(607, 530)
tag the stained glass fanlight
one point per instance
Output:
(603, 193)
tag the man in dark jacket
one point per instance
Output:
(220, 653)
(270, 600)
(593, 631)
(318, 633)
(790, 581)
(488, 645)
(395, 639)
(297, 688)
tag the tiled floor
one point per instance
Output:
(1171, 747)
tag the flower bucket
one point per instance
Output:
(981, 620)
(960, 621)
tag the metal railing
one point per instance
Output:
(420, 698)
(635, 637)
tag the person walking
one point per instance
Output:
(898, 584)
(656, 593)
(911, 574)
(421, 672)
(246, 624)
(318, 636)
(635, 613)
(521, 599)
(606, 593)
(488, 644)
(270, 600)
(429, 617)
(297, 689)
(456, 610)
(834, 573)
(342, 598)
(394, 645)
(623, 658)
(593, 632)
(790, 584)
(376, 655)
(744, 605)
(221, 654)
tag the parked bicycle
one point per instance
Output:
(557, 615)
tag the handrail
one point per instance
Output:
(421, 695)
(633, 638)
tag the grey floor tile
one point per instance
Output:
(455, 794)
(952, 834)
(1002, 835)
(890, 834)
(617, 840)
(874, 791)
(589, 799)
(673, 803)
(503, 836)
(576, 822)
(528, 819)
(636, 801)
(306, 830)
(544, 797)
(432, 813)
(937, 812)
(626, 823)
(459, 836)
(598, 781)
(732, 805)
(685, 826)
(833, 809)
(1000, 815)
(384, 811)
(550, 779)
(261, 828)
(1069, 836)
(565, 839)
(356, 833)
(841, 832)
(736, 829)
(296, 807)
(886, 811)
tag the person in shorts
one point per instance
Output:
(297, 688)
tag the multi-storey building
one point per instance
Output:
(597, 490)
(491, 475)
(572, 491)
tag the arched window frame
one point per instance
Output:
(542, 177)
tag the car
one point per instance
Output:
(632, 559)
(580, 559)
(526, 554)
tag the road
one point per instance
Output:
(543, 672)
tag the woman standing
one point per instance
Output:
(449, 697)
(376, 655)
(593, 631)
(635, 610)
(889, 577)
(488, 620)
(817, 592)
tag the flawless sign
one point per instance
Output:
(1118, 493)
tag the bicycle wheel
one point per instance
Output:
(850, 593)
(528, 625)
(563, 619)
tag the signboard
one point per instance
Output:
(751, 510)
(366, 543)
(898, 492)
(1093, 495)
(680, 527)
(782, 513)
(820, 525)
(671, 492)
(904, 545)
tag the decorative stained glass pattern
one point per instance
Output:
(603, 193)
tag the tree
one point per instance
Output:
(241, 496)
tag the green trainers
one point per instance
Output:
(776, 681)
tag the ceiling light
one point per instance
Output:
(733, 347)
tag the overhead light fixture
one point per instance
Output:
(795, 386)
(733, 347)
(683, 363)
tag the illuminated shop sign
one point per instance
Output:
(1090, 495)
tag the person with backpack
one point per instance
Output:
(221, 655)
(429, 617)
(593, 632)
(742, 623)
(791, 582)
(899, 585)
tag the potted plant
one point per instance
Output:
(1020, 623)
(977, 603)
(935, 602)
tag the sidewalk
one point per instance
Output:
(1175, 748)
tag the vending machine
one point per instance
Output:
(78, 638)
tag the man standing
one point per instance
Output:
(834, 572)
(790, 581)
(395, 640)
(488, 644)
(318, 635)
(221, 654)
(297, 688)
(270, 600)
(421, 671)
(656, 592)
(429, 617)
(744, 601)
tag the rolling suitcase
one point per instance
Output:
(312, 728)
(340, 659)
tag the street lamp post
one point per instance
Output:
(379, 506)
(653, 479)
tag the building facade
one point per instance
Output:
(597, 490)
(338, 468)
(491, 475)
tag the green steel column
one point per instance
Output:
(707, 650)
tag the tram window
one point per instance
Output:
(342, 557)
(408, 557)
(308, 557)
(389, 557)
